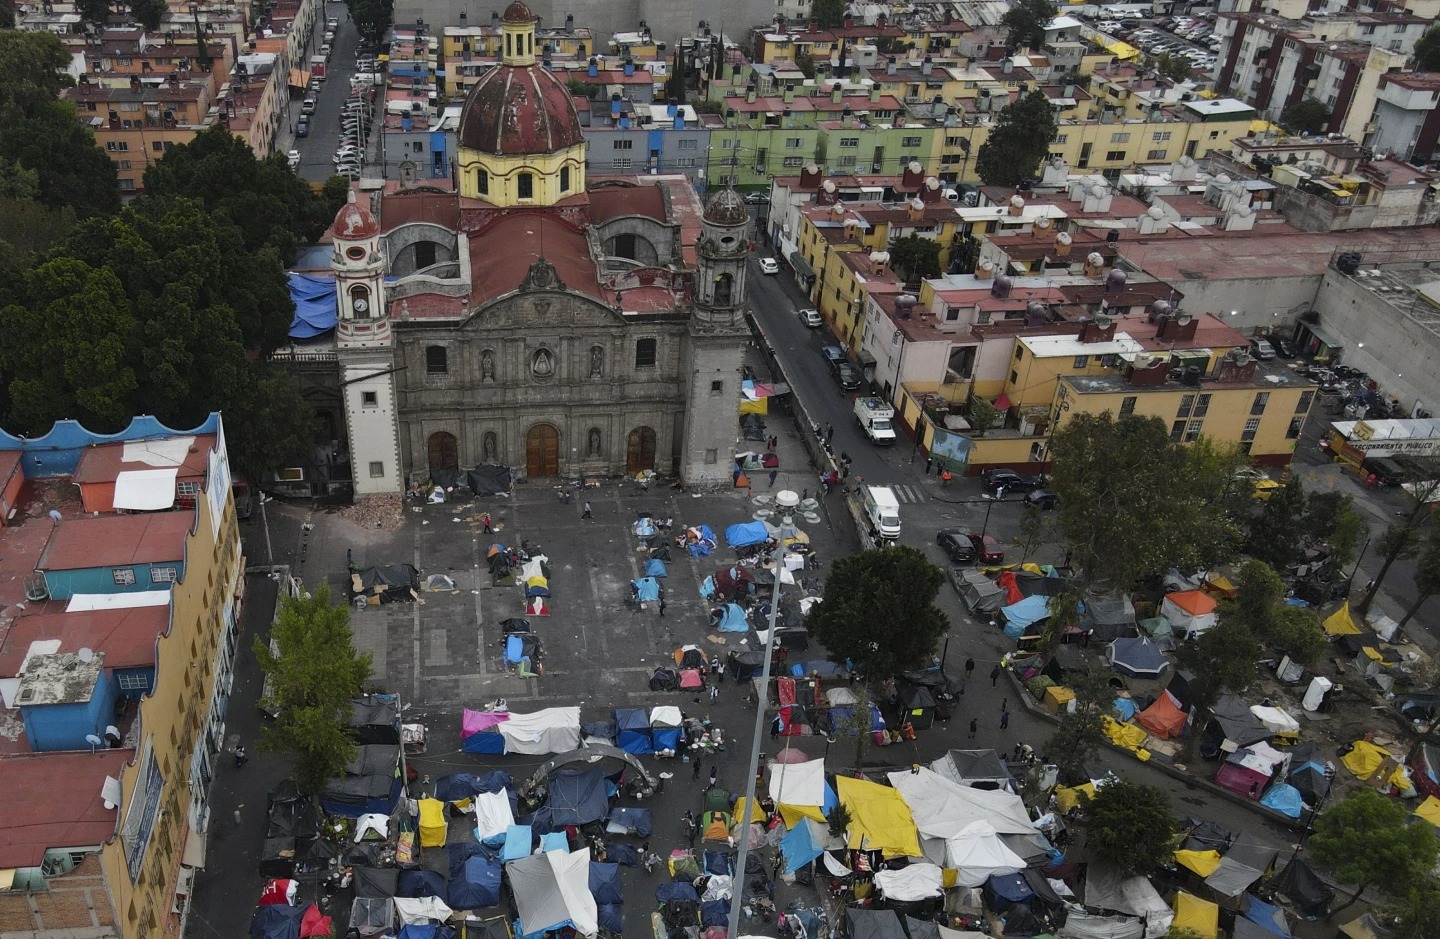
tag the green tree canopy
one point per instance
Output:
(1129, 826)
(148, 12)
(1365, 840)
(1427, 51)
(915, 257)
(1173, 67)
(828, 14)
(1330, 517)
(1018, 142)
(879, 611)
(1025, 23)
(1223, 659)
(1081, 733)
(1417, 912)
(372, 17)
(1134, 503)
(1426, 576)
(1307, 115)
(1276, 529)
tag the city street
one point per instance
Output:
(317, 151)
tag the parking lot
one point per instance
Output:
(1191, 38)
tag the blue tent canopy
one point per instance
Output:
(1283, 798)
(801, 845)
(477, 886)
(611, 917)
(633, 731)
(732, 619)
(1003, 891)
(1137, 657)
(718, 862)
(605, 883)
(1124, 708)
(705, 546)
(415, 884)
(746, 534)
(822, 667)
(683, 891)
(714, 913)
(655, 568)
(276, 921)
(1026, 613)
(457, 787)
(577, 797)
(315, 311)
(518, 839)
(554, 841)
(426, 931)
(841, 720)
(631, 819)
(1268, 917)
(646, 589)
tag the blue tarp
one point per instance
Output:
(1022, 615)
(1003, 891)
(1267, 917)
(705, 546)
(457, 787)
(426, 931)
(707, 587)
(554, 841)
(718, 862)
(605, 883)
(746, 534)
(414, 884)
(841, 721)
(1137, 658)
(315, 311)
(802, 845)
(577, 798)
(821, 667)
(633, 726)
(1283, 798)
(276, 921)
(486, 741)
(646, 589)
(666, 738)
(611, 917)
(655, 568)
(732, 619)
(477, 886)
(635, 820)
(1125, 708)
(518, 839)
(683, 891)
(715, 913)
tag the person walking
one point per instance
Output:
(241, 757)
(995, 676)
(773, 474)
(776, 726)
(695, 776)
(929, 463)
(944, 478)
(714, 694)
(969, 667)
(648, 858)
(974, 726)
(662, 605)
(1004, 719)
(829, 433)
(1004, 704)
(587, 513)
(714, 777)
(687, 821)
(485, 520)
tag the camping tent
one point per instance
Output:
(476, 884)
(910, 884)
(1106, 888)
(419, 910)
(1424, 763)
(977, 853)
(980, 593)
(1164, 718)
(1247, 860)
(1019, 617)
(730, 618)
(577, 796)
(1238, 727)
(880, 820)
(1137, 658)
(432, 823)
(1276, 721)
(1306, 892)
(746, 534)
(980, 768)
(665, 724)
(633, 731)
(1107, 618)
(1248, 770)
(552, 890)
(1189, 612)
(798, 783)
(873, 924)
(480, 731)
(1283, 798)
(1269, 919)
(1199, 916)
(1004, 891)
(915, 705)
(552, 730)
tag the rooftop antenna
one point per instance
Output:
(93, 740)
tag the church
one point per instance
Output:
(533, 318)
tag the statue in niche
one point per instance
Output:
(487, 366)
(490, 448)
(594, 448)
(543, 364)
(597, 362)
(722, 290)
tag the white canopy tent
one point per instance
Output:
(553, 889)
(798, 783)
(492, 814)
(553, 730)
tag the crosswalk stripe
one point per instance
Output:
(909, 494)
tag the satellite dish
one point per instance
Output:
(93, 740)
(86, 655)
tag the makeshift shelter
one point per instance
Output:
(432, 823)
(375, 719)
(553, 890)
(552, 730)
(476, 884)
(419, 883)
(389, 584)
(1248, 770)
(1279, 723)
(1237, 727)
(730, 618)
(421, 911)
(880, 820)
(1070, 798)
(1004, 891)
(1368, 761)
(665, 723)
(1164, 718)
(982, 769)
(645, 590)
(1021, 616)
(1303, 888)
(802, 844)
(1108, 618)
(943, 809)
(747, 534)
(480, 731)
(1424, 763)
(1268, 919)
(978, 853)
(1208, 836)
(1189, 612)
(278, 922)
(632, 727)
(743, 666)
(1137, 657)
(372, 916)
(1106, 888)
(915, 706)
(841, 721)
(873, 924)
(1283, 798)
(797, 783)
(612, 761)
(1082, 925)
(577, 796)
(1311, 780)
(1197, 915)
(910, 884)
(1202, 863)
(1341, 623)
(979, 593)
(1246, 861)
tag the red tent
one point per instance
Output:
(1164, 718)
(1012, 591)
(315, 923)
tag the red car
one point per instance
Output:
(987, 548)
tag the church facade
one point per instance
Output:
(562, 326)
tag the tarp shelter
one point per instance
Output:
(910, 884)
(1238, 727)
(979, 593)
(880, 820)
(980, 768)
(646, 589)
(372, 916)
(518, 841)
(476, 884)
(1137, 657)
(1248, 770)
(632, 727)
(420, 910)
(873, 924)
(1004, 891)
(480, 731)
(1269, 918)
(1203, 863)
(1082, 925)
(353, 796)
(977, 852)
(1199, 916)
(1429, 811)
(432, 823)
(1365, 926)
(1189, 612)
(1424, 763)
(1107, 618)
(730, 619)
(798, 783)
(376, 881)
(915, 706)
(1019, 617)
(655, 569)
(1283, 798)
(943, 809)
(1276, 721)
(459, 787)
(1126, 736)
(375, 719)
(386, 584)
(494, 814)
(665, 724)
(746, 534)
(276, 922)
(1106, 888)
(1164, 718)
(552, 730)
(1303, 888)
(1208, 836)
(1341, 623)
(1073, 797)
(419, 883)
(552, 890)
(802, 844)
(1365, 760)
(577, 796)
(1247, 860)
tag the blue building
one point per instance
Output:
(66, 698)
(115, 553)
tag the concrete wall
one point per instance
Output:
(1398, 353)
(1260, 303)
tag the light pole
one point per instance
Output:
(786, 500)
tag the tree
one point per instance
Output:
(868, 597)
(1222, 660)
(148, 12)
(96, 13)
(1172, 67)
(805, 62)
(965, 255)
(1018, 142)
(1307, 115)
(1427, 574)
(1299, 633)
(1365, 840)
(1399, 542)
(372, 17)
(1330, 517)
(838, 821)
(1417, 913)
(858, 725)
(1131, 827)
(1275, 530)
(828, 14)
(7, 14)
(1427, 51)
(312, 672)
(1026, 21)
(1133, 503)
(1081, 732)
(983, 415)
(1259, 591)
(916, 257)
(1033, 529)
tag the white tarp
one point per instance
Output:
(910, 884)
(163, 451)
(840, 697)
(423, 910)
(977, 853)
(492, 814)
(1082, 925)
(1260, 757)
(145, 490)
(1107, 889)
(1276, 720)
(667, 715)
(86, 602)
(798, 783)
(553, 889)
(553, 730)
(535, 567)
(942, 808)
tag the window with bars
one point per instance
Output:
(1257, 406)
(1193, 430)
(645, 353)
(1302, 406)
(123, 576)
(1127, 405)
(1187, 406)
(1202, 405)
(1252, 427)
(162, 575)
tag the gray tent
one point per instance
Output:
(1082, 925)
(979, 593)
(373, 916)
(1108, 617)
(1247, 860)
(610, 759)
(1238, 726)
(1106, 888)
(553, 889)
(979, 768)
(874, 924)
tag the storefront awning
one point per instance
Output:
(802, 267)
(1327, 340)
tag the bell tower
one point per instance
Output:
(716, 341)
(363, 346)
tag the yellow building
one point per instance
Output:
(846, 283)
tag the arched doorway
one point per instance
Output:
(640, 450)
(542, 451)
(444, 452)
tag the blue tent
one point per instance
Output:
(714, 913)
(426, 931)
(1020, 616)
(577, 797)
(1137, 657)
(605, 883)
(666, 738)
(611, 917)
(1269, 918)
(732, 619)
(707, 587)
(315, 311)
(631, 820)
(802, 845)
(1003, 891)
(682, 890)
(477, 886)
(1283, 798)
(518, 839)
(841, 721)
(633, 731)
(422, 882)
(277, 921)
(655, 568)
(646, 589)
(746, 534)
(718, 862)
(1124, 708)
(457, 787)
(705, 546)
(822, 667)
(554, 841)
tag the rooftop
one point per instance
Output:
(1261, 375)
(126, 634)
(189, 455)
(60, 678)
(53, 800)
(116, 541)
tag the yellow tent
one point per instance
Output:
(1364, 759)
(1340, 623)
(793, 813)
(757, 814)
(1128, 736)
(1196, 914)
(880, 819)
(1201, 862)
(1430, 811)
(1067, 799)
(755, 406)
(432, 823)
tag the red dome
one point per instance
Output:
(519, 109)
(354, 221)
(517, 12)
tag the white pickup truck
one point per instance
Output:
(875, 417)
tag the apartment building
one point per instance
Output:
(136, 124)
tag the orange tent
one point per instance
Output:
(1164, 718)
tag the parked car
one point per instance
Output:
(757, 198)
(1262, 349)
(847, 375)
(302, 129)
(987, 546)
(309, 106)
(1010, 481)
(1042, 499)
(769, 266)
(293, 158)
(1284, 348)
(956, 544)
(810, 316)
(832, 354)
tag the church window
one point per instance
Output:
(424, 254)
(369, 399)
(377, 469)
(482, 182)
(437, 360)
(527, 186)
(564, 179)
(645, 356)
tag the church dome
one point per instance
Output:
(517, 12)
(726, 208)
(354, 221)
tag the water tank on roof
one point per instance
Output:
(1001, 287)
(1348, 262)
(1115, 281)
